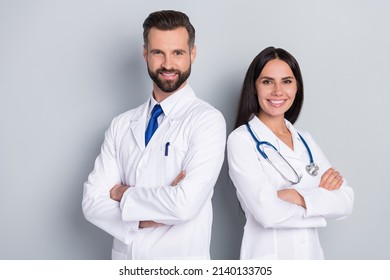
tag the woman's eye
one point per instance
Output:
(266, 82)
(288, 81)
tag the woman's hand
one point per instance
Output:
(331, 180)
(292, 196)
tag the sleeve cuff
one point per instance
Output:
(131, 229)
(308, 202)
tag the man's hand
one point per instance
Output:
(179, 177)
(116, 193)
(148, 224)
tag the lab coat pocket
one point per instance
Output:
(173, 153)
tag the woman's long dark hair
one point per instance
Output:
(249, 103)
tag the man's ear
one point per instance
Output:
(193, 54)
(145, 53)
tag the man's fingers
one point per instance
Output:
(117, 191)
(113, 190)
(148, 224)
(179, 177)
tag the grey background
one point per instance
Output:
(68, 67)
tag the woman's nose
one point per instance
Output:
(277, 90)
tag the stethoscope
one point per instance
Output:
(311, 168)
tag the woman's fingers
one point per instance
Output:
(331, 180)
(326, 175)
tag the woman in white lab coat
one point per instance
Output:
(286, 187)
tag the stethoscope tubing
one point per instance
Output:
(307, 148)
(259, 143)
(264, 155)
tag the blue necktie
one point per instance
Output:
(153, 124)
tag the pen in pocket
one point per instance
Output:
(167, 148)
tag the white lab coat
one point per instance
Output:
(276, 229)
(197, 134)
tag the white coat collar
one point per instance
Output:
(173, 107)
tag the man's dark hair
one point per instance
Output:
(169, 20)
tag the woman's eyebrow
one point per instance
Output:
(284, 78)
(266, 77)
(287, 78)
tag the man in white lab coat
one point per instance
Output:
(151, 188)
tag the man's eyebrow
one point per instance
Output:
(180, 50)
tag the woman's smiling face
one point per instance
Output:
(276, 88)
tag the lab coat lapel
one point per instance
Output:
(176, 114)
(160, 132)
(299, 148)
(138, 125)
(286, 151)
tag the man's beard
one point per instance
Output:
(169, 85)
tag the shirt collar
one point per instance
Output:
(169, 103)
(152, 103)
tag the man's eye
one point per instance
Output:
(156, 53)
(178, 53)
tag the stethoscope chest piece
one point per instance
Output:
(312, 169)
